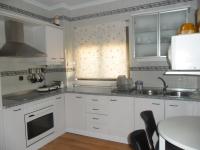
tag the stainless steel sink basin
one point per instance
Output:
(179, 93)
(154, 92)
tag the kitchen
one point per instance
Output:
(64, 78)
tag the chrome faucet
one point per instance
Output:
(165, 86)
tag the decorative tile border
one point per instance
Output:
(24, 12)
(95, 15)
(53, 70)
(150, 68)
(25, 72)
(126, 10)
(13, 73)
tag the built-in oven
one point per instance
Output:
(39, 124)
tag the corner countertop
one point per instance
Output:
(15, 99)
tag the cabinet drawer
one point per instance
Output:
(97, 100)
(96, 127)
(97, 119)
(97, 109)
(97, 105)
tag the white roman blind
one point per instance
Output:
(101, 51)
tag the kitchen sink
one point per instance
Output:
(152, 92)
(179, 93)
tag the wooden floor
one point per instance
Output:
(77, 142)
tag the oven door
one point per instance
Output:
(39, 124)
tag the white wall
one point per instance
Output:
(149, 77)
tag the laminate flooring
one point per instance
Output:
(70, 141)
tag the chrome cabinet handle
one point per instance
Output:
(17, 109)
(96, 128)
(78, 97)
(113, 100)
(173, 105)
(95, 118)
(95, 100)
(155, 103)
(95, 109)
(58, 97)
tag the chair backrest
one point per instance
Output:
(138, 140)
(150, 126)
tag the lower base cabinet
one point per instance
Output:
(121, 118)
(59, 118)
(107, 117)
(14, 131)
(2, 142)
(75, 116)
(175, 108)
(157, 106)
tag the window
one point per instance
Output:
(101, 51)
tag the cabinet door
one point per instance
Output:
(75, 112)
(142, 104)
(175, 108)
(121, 118)
(54, 44)
(170, 23)
(196, 111)
(15, 138)
(2, 143)
(60, 115)
(146, 33)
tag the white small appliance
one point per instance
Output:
(184, 55)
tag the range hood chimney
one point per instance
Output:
(15, 46)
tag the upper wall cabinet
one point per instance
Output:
(152, 32)
(54, 45)
(49, 40)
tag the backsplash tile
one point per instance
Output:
(150, 68)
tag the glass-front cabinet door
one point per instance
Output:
(170, 23)
(153, 32)
(146, 33)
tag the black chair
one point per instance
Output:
(138, 140)
(151, 128)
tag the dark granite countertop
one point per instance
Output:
(15, 99)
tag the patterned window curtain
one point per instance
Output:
(101, 51)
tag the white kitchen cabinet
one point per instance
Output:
(75, 112)
(54, 45)
(97, 114)
(153, 31)
(196, 108)
(175, 108)
(121, 116)
(59, 115)
(97, 104)
(143, 104)
(2, 143)
(15, 137)
(49, 40)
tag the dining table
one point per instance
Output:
(182, 131)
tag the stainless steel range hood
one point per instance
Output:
(15, 46)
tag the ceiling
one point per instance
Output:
(66, 4)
